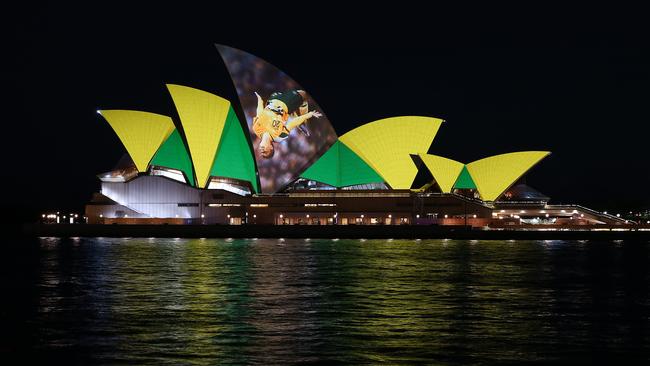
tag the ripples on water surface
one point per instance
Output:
(268, 301)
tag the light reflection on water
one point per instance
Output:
(278, 301)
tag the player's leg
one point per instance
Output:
(304, 106)
(303, 109)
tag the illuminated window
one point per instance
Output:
(242, 191)
(174, 174)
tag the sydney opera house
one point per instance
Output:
(285, 165)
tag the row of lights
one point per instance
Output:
(202, 216)
(546, 214)
(617, 215)
(336, 214)
(57, 216)
(362, 216)
(51, 216)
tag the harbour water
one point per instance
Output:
(274, 301)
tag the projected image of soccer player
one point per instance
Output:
(289, 131)
(282, 113)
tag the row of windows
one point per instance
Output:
(341, 221)
(257, 205)
(351, 194)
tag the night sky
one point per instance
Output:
(578, 90)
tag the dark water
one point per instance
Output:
(186, 301)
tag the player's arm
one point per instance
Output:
(260, 104)
(302, 119)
